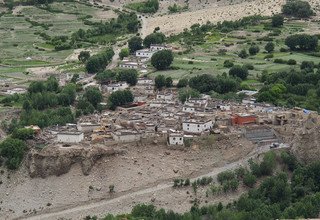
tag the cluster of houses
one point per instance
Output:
(161, 117)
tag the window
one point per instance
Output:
(188, 124)
(198, 126)
(180, 139)
(174, 139)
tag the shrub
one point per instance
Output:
(228, 64)
(13, 150)
(253, 50)
(249, 179)
(243, 54)
(291, 62)
(238, 71)
(161, 60)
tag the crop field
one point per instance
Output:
(21, 45)
(206, 59)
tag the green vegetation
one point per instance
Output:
(297, 8)
(148, 6)
(12, 150)
(185, 93)
(99, 61)
(277, 197)
(119, 98)
(154, 38)
(162, 81)
(177, 8)
(134, 44)
(161, 60)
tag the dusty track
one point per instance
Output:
(124, 202)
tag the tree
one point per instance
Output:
(269, 47)
(13, 150)
(105, 76)
(253, 50)
(84, 56)
(120, 98)
(154, 38)
(98, 62)
(128, 75)
(228, 64)
(186, 93)
(277, 20)
(238, 71)
(93, 95)
(161, 60)
(160, 81)
(169, 82)
(203, 83)
(143, 211)
(297, 8)
(243, 54)
(249, 179)
(182, 83)
(134, 44)
(74, 78)
(302, 42)
(124, 53)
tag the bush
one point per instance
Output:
(238, 71)
(13, 150)
(302, 42)
(248, 66)
(183, 83)
(269, 56)
(253, 50)
(269, 47)
(280, 61)
(228, 64)
(291, 62)
(249, 179)
(277, 20)
(23, 133)
(243, 54)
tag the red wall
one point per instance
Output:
(243, 120)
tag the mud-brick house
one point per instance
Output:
(70, 136)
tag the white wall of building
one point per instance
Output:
(175, 140)
(196, 127)
(70, 137)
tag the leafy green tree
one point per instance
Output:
(84, 56)
(238, 71)
(84, 107)
(124, 53)
(13, 150)
(228, 64)
(297, 8)
(203, 83)
(143, 211)
(243, 54)
(93, 95)
(98, 62)
(302, 42)
(120, 98)
(185, 93)
(160, 81)
(134, 44)
(269, 47)
(37, 86)
(277, 20)
(154, 38)
(169, 82)
(128, 75)
(27, 106)
(253, 50)
(161, 60)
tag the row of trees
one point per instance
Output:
(303, 42)
(98, 62)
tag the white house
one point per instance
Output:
(145, 81)
(175, 139)
(129, 65)
(87, 126)
(126, 136)
(197, 126)
(144, 53)
(70, 137)
(188, 109)
(117, 86)
(157, 47)
(164, 96)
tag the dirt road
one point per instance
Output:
(124, 203)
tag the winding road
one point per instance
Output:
(78, 211)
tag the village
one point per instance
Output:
(160, 117)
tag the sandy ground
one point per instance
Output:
(140, 168)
